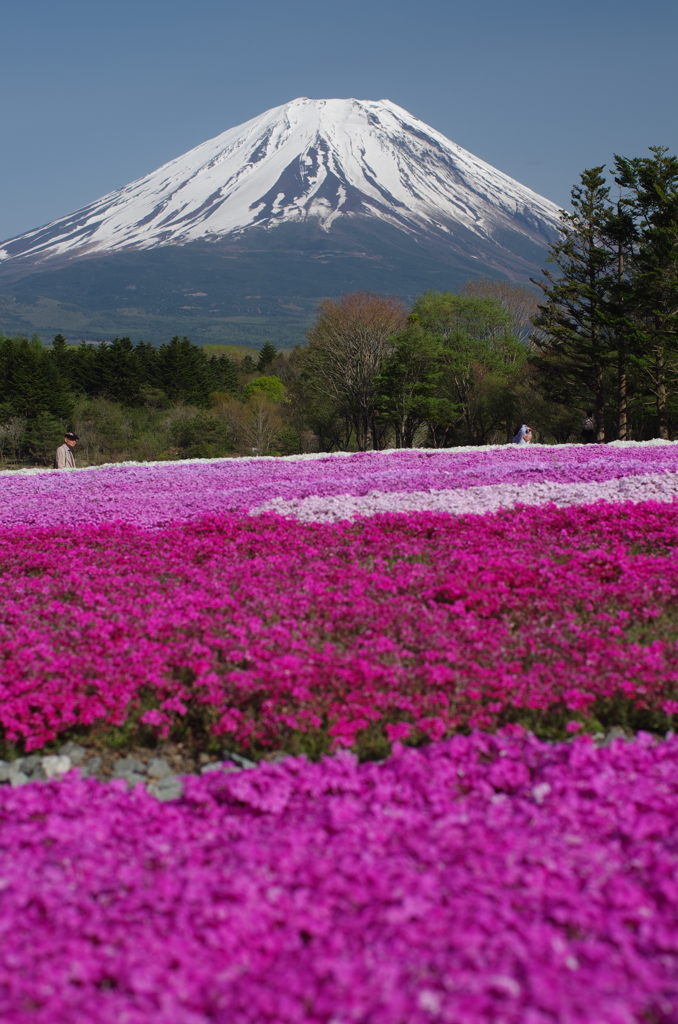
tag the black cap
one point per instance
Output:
(71, 436)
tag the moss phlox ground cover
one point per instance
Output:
(152, 496)
(478, 874)
(393, 626)
(482, 879)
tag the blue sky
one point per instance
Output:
(97, 93)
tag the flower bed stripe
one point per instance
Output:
(275, 632)
(475, 500)
(154, 496)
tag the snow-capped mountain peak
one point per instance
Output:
(307, 159)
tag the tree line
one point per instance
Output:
(45, 391)
(35, 380)
(598, 333)
(451, 369)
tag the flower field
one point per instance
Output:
(477, 880)
(306, 606)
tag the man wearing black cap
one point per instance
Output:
(64, 458)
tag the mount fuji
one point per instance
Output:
(239, 238)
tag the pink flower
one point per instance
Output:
(398, 730)
(476, 879)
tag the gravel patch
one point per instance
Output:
(159, 771)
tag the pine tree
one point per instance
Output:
(30, 381)
(59, 349)
(182, 372)
(653, 184)
(621, 234)
(266, 356)
(118, 372)
(222, 374)
(62, 358)
(578, 344)
(147, 361)
(83, 375)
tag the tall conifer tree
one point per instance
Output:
(653, 186)
(578, 346)
(266, 356)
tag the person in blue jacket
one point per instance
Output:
(523, 435)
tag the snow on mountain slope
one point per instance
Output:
(321, 159)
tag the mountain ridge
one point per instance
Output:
(309, 199)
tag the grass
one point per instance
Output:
(233, 351)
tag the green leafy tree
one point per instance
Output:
(271, 387)
(518, 300)
(407, 385)
(479, 360)
(446, 314)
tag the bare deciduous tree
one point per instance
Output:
(231, 412)
(348, 345)
(90, 441)
(261, 425)
(14, 429)
(518, 300)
